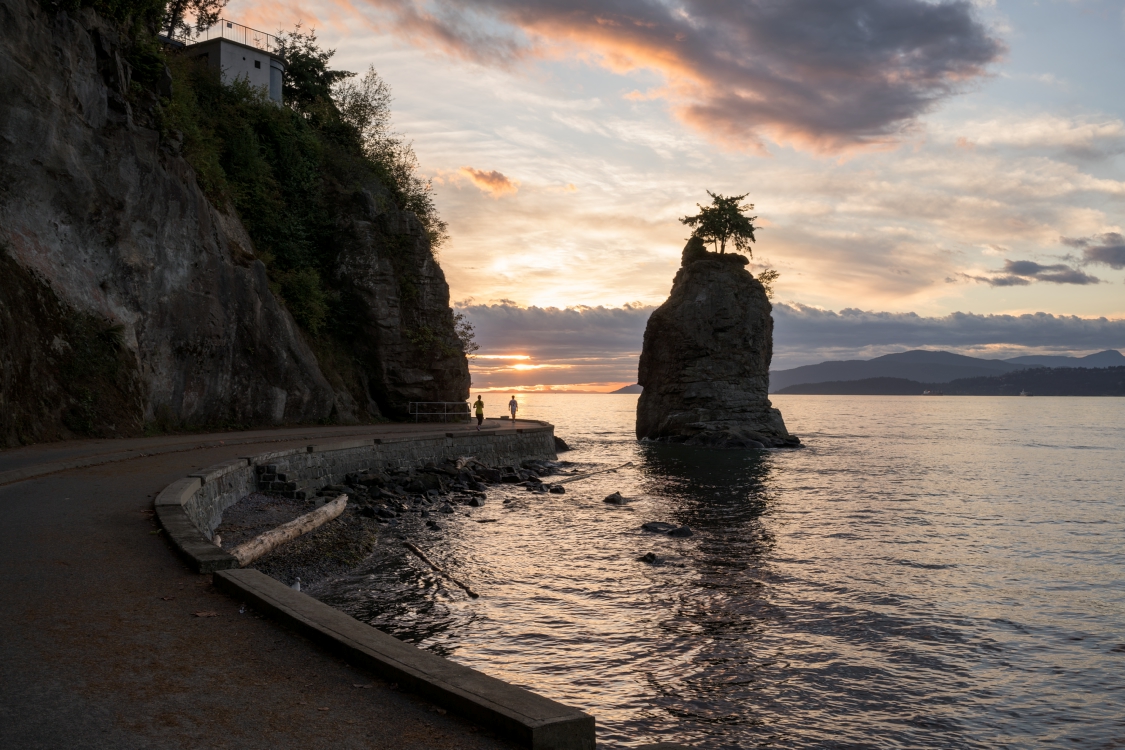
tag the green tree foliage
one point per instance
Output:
(308, 79)
(280, 166)
(365, 105)
(767, 277)
(466, 334)
(176, 13)
(725, 220)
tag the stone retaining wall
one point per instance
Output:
(329, 463)
(305, 470)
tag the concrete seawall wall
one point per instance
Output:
(312, 467)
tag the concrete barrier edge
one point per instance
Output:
(204, 556)
(530, 719)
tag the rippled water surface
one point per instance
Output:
(926, 573)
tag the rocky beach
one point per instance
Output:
(379, 502)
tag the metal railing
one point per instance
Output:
(235, 32)
(439, 411)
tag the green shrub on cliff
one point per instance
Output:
(280, 167)
(767, 277)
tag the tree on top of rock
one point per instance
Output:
(725, 220)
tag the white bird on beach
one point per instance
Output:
(296, 584)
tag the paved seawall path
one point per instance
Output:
(100, 646)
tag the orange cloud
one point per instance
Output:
(818, 75)
(494, 183)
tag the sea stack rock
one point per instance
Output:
(706, 359)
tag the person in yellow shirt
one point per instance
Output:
(479, 406)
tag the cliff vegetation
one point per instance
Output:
(223, 261)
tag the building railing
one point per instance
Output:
(235, 32)
(439, 411)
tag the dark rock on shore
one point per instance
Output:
(615, 499)
(705, 362)
(490, 475)
(560, 445)
(668, 529)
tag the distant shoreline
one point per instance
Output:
(1040, 381)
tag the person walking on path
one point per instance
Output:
(479, 406)
(513, 406)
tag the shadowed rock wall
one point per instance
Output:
(107, 227)
(405, 341)
(705, 363)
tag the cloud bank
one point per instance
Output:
(601, 345)
(596, 347)
(557, 333)
(802, 328)
(823, 75)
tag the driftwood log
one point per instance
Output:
(422, 556)
(592, 473)
(263, 544)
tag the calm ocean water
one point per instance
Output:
(926, 573)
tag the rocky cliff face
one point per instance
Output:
(405, 342)
(128, 299)
(706, 358)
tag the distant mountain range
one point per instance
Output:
(924, 366)
(1037, 381)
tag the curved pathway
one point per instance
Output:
(99, 644)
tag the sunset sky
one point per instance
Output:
(927, 174)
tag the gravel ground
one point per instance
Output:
(335, 547)
(255, 514)
(340, 544)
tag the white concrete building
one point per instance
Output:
(241, 52)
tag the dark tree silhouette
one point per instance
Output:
(206, 13)
(724, 220)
